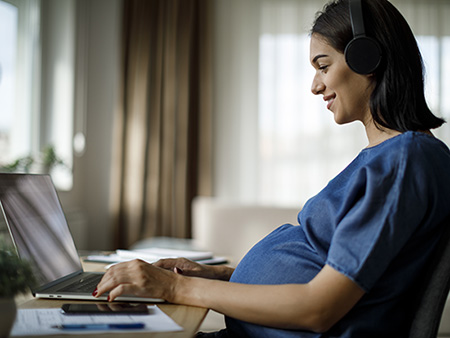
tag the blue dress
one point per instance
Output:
(376, 222)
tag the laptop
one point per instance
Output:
(40, 233)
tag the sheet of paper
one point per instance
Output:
(115, 258)
(158, 253)
(35, 322)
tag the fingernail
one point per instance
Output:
(95, 292)
(108, 299)
(178, 270)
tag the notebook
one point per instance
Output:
(40, 233)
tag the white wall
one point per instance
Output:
(235, 103)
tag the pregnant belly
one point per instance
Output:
(282, 257)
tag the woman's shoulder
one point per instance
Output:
(410, 144)
(409, 139)
(410, 156)
(413, 152)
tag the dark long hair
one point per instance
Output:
(398, 100)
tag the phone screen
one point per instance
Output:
(104, 309)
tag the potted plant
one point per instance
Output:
(22, 164)
(43, 163)
(16, 277)
(49, 159)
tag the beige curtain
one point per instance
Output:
(163, 127)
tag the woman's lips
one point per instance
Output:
(330, 102)
(329, 99)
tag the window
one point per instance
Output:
(37, 87)
(8, 31)
(301, 148)
(18, 38)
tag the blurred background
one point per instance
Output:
(135, 107)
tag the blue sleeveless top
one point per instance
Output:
(376, 222)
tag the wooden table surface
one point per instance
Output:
(188, 317)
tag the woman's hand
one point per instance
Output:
(138, 278)
(187, 267)
(157, 280)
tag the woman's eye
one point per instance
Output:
(323, 68)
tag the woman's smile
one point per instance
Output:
(329, 99)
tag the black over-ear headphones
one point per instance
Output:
(363, 54)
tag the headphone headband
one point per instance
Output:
(356, 18)
(362, 53)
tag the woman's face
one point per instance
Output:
(347, 93)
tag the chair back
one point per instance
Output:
(435, 289)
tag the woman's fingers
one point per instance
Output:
(123, 289)
(178, 270)
(170, 263)
(135, 277)
(116, 276)
(183, 266)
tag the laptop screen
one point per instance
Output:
(37, 225)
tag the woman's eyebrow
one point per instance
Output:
(318, 57)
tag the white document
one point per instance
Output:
(153, 254)
(115, 258)
(35, 322)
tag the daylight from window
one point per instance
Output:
(300, 146)
(8, 50)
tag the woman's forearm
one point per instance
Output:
(252, 303)
(315, 306)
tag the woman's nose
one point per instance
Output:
(317, 86)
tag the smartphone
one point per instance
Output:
(104, 309)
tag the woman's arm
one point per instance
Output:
(314, 306)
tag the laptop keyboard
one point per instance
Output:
(85, 284)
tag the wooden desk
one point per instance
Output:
(188, 317)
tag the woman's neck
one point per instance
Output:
(377, 134)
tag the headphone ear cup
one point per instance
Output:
(363, 55)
